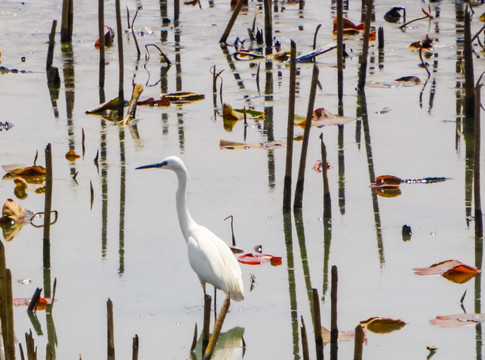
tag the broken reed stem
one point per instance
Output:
(217, 327)
(194, 339)
(130, 114)
(317, 325)
(53, 299)
(52, 42)
(469, 73)
(136, 346)
(30, 346)
(315, 36)
(365, 48)
(268, 27)
(333, 315)
(102, 58)
(298, 203)
(111, 332)
(10, 344)
(121, 98)
(380, 38)
(290, 131)
(67, 20)
(340, 52)
(327, 203)
(3, 295)
(132, 27)
(358, 342)
(47, 206)
(207, 322)
(231, 22)
(49, 352)
(34, 301)
(304, 340)
(476, 170)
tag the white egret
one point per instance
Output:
(209, 256)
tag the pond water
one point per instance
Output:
(127, 245)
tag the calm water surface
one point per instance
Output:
(128, 247)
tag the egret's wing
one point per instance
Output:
(214, 263)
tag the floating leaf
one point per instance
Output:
(388, 192)
(349, 28)
(438, 268)
(258, 259)
(394, 15)
(380, 325)
(184, 97)
(245, 55)
(107, 105)
(164, 101)
(230, 145)
(409, 79)
(460, 274)
(482, 17)
(386, 181)
(14, 212)
(31, 175)
(452, 270)
(108, 38)
(42, 304)
(449, 321)
(322, 117)
(71, 155)
(344, 336)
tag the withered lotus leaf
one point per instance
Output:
(231, 145)
(460, 274)
(14, 211)
(322, 117)
(258, 259)
(387, 181)
(342, 335)
(31, 174)
(108, 38)
(184, 97)
(381, 325)
(164, 101)
(409, 79)
(349, 28)
(450, 321)
(107, 105)
(71, 155)
(439, 268)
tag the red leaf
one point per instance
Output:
(258, 259)
(108, 38)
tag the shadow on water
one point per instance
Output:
(362, 113)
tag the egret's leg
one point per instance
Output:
(215, 303)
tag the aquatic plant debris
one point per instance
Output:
(452, 270)
(322, 117)
(388, 181)
(258, 259)
(451, 321)
(108, 38)
(382, 325)
(231, 145)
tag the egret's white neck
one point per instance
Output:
(185, 220)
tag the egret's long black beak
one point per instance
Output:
(157, 165)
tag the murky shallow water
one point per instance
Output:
(129, 248)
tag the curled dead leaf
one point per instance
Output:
(381, 325)
(71, 155)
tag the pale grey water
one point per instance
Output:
(132, 251)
